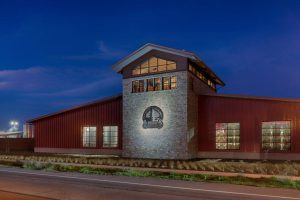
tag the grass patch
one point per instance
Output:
(238, 180)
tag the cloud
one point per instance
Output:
(102, 53)
(55, 82)
(20, 79)
(92, 87)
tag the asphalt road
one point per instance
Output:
(35, 184)
(14, 196)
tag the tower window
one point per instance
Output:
(153, 84)
(169, 83)
(154, 65)
(137, 86)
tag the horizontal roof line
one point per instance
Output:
(295, 100)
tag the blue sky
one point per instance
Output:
(57, 54)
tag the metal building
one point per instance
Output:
(170, 109)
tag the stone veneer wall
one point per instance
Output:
(169, 142)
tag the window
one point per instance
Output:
(169, 83)
(138, 86)
(173, 82)
(89, 136)
(227, 136)
(110, 136)
(201, 76)
(154, 65)
(276, 135)
(166, 83)
(153, 84)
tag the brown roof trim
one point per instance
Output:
(103, 100)
(118, 67)
(292, 100)
(209, 71)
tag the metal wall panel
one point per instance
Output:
(64, 130)
(250, 113)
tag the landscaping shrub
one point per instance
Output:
(284, 168)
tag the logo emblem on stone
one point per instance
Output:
(153, 118)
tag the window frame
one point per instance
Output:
(169, 82)
(117, 136)
(169, 66)
(215, 136)
(276, 150)
(139, 86)
(154, 81)
(83, 136)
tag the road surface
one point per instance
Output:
(57, 185)
(14, 196)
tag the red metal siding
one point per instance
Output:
(64, 130)
(16, 144)
(250, 113)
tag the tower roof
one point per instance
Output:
(118, 67)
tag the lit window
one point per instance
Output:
(144, 68)
(150, 84)
(153, 84)
(166, 83)
(227, 136)
(171, 65)
(110, 136)
(173, 82)
(157, 84)
(136, 71)
(199, 75)
(169, 83)
(154, 65)
(89, 136)
(137, 86)
(276, 135)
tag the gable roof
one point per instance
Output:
(119, 66)
(103, 100)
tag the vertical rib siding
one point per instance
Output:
(250, 113)
(64, 130)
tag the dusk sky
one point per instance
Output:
(57, 54)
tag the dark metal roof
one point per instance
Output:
(103, 100)
(149, 47)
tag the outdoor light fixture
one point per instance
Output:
(14, 125)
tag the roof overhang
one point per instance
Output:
(119, 66)
(147, 48)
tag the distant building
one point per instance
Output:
(170, 109)
(18, 134)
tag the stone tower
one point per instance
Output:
(160, 101)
